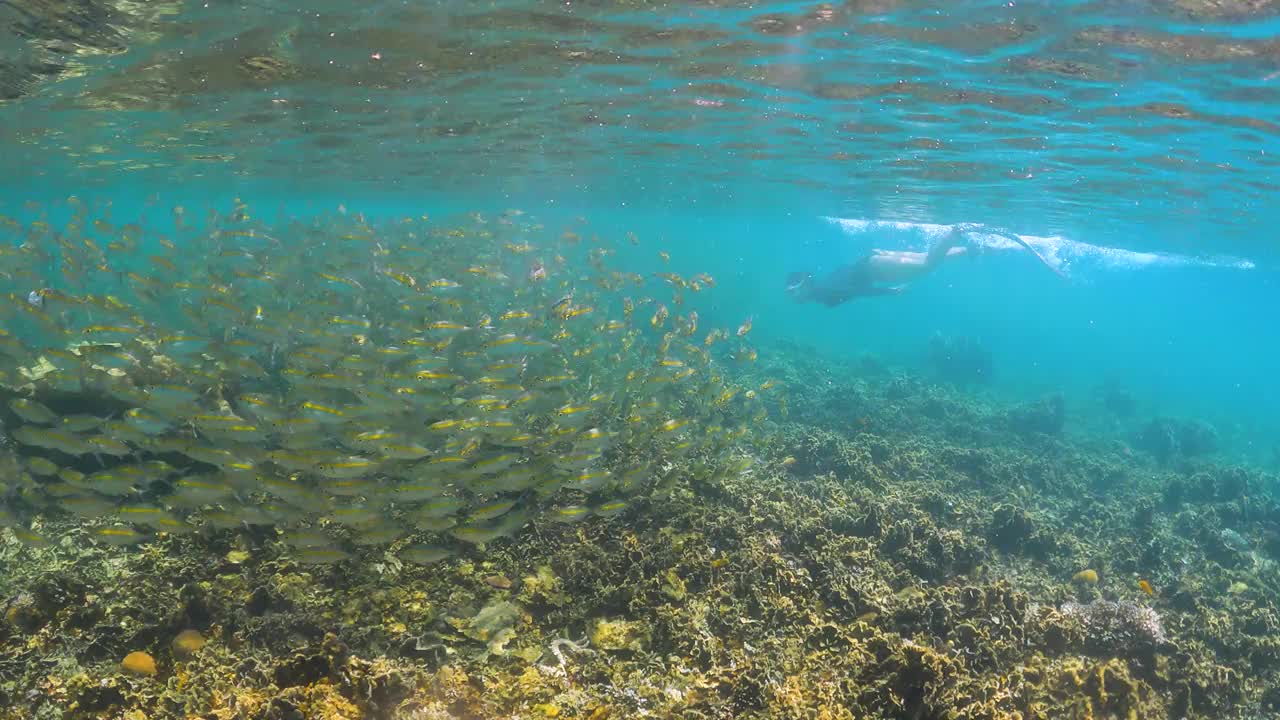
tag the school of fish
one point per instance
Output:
(350, 383)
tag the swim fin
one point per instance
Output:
(971, 227)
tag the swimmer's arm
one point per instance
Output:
(868, 291)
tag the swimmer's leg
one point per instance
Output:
(942, 248)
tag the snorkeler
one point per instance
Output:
(880, 272)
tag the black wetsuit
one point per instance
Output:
(844, 283)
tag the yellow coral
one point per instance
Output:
(675, 587)
(530, 681)
(323, 701)
(543, 584)
(616, 635)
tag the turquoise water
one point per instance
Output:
(1131, 138)
(431, 359)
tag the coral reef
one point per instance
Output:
(919, 564)
(1169, 439)
(1045, 416)
(1116, 399)
(1115, 628)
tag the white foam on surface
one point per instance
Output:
(1059, 252)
